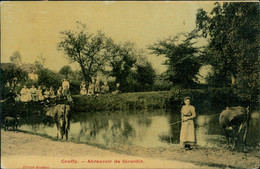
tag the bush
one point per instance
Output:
(124, 101)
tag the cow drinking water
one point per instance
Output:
(61, 116)
(235, 123)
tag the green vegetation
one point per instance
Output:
(124, 101)
(183, 59)
(233, 50)
(203, 99)
(97, 53)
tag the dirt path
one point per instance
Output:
(20, 150)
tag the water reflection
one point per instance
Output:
(142, 128)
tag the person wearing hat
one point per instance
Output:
(187, 135)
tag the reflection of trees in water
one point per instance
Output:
(36, 119)
(111, 130)
(89, 128)
(139, 127)
(173, 138)
(253, 137)
(144, 121)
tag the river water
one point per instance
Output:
(140, 128)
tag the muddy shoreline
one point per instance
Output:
(200, 156)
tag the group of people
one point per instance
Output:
(42, 93)
(94, 88)
(45, 93)
(35, 94)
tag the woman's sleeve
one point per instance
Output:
(193, 113)
(182, 113)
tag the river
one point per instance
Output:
(140, 128)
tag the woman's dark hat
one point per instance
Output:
(187, 98)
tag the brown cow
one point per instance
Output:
(61, 116)
(233, 121)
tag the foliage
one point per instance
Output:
(161, 83)
(13, 75)
(96, 53)
(204, 99)
(233, 32)
(145, 75)
(84, 48)
(122, 58)
(66, 71)
(183, 59)
(124, 101)
(48, 78)
(129, 66)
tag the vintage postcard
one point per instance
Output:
(129, 84)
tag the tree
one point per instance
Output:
(13, 75)
(122, 58)
(233, 51)
(47, 77)
(16, 58)
(183, 59)
(66, 71)
(84, 48)
(145, 75)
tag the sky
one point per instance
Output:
(33, 28)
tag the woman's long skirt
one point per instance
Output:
(187, 135)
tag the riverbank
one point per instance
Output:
(123, 101)
(20, 149)
(202, 99)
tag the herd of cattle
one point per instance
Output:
(233, 120)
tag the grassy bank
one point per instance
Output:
(203, 99)
(123, 101)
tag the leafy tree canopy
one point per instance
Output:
(183, 58)
(13, 75)
(84, 48)
(66, 71)
(233, 51)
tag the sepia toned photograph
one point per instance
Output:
(130, 84)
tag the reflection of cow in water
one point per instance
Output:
(233, 121)
(61, 116)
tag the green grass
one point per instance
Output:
(123, 101)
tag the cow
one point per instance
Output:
(61, 116)
(235, 123)
(12, 121)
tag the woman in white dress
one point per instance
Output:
(91, 89)
(83, 90)
(187, 135)
(39, 93)
(25, 94)
(52, 93)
